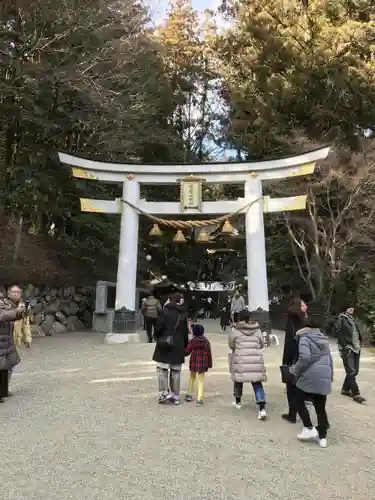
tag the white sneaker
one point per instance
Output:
(307, 434)
(262, 415)
(323, 443)
(237, 405)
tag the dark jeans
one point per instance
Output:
(319, 401)
(260, 396)
(236, 317)
(351, 365)
(4, 382)
(291, 394)
(150, 327)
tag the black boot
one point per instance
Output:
(359, 399)
(290, 418)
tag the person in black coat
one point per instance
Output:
(172, 323)
(297, 312)
(9, 356)
(225, 316)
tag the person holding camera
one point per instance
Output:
(21, 331)
(9, 356)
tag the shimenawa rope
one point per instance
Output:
(185, 224)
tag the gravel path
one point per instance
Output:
(84, 425)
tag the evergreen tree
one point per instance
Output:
(295, 66)
(86, 77)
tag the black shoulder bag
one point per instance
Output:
(286, 376)
(167, 342)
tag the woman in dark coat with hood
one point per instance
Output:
(297, 313)
(172, 324)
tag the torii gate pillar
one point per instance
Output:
(250, 174)
(256, 247)
(128, 248)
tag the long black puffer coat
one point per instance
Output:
(173, 320)
(293, 324)
(9, 356)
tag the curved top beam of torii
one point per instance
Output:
(233, 172)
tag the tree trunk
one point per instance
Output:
(18, 239)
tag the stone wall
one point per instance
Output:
(58, 310)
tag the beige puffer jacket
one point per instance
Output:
(247, 364)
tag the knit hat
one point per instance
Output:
(198, 330)
(347, 306)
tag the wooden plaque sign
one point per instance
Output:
(191, 193)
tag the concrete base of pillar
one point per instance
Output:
(122, 338)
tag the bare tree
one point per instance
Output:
(335, 235)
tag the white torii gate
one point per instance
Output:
(252, 174)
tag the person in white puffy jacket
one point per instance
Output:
(246, 361)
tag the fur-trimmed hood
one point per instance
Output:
(247, 328)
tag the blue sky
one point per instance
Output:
(159, 7)
(205, 4)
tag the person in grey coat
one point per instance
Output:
(313, 372)
(237, 306)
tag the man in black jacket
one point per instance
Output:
(171, 324)
(349, 341)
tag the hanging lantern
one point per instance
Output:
(155, 231)
(227, 228)
(179, 237)
(203, 237)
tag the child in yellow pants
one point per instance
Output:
(199, 349)
(200, 391)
